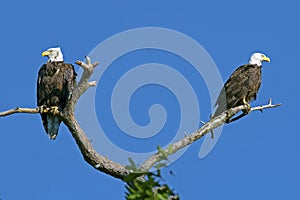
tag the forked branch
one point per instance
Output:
(104, 164)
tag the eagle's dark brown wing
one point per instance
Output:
(244, 82)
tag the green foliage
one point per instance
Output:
(132, 165)
(148, 188)
(163, 153)
(147, 185)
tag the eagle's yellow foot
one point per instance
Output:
(54, 110)
(43, 109)
(248, 107)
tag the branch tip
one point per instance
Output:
(270, 101)
(78, 62)
(93, 83)
(202, 122)
(88, 60)
(95, 64)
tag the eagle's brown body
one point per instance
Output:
(56, 81)
(243, 83)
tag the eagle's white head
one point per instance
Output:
(257, 58)
(54, 54)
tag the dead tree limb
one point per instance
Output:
(20, 110)
(206, 128)
(102, 163)
(89, 154)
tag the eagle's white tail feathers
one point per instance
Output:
(52, 126)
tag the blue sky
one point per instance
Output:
(255, 158)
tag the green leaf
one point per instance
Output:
(170, 149)
(164, 155)
(160, 165)
(132, 165)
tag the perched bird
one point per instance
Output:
(242, 85)
(56, 81)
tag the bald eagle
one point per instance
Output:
(56, 81)
(242, 85)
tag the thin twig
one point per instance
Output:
(269, 105)
(19, 110)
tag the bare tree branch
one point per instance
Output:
(90, 155)
(206, 128)
(269, 105)
(103, 164)
(19, 110)
(84, 84)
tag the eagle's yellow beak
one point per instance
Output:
(267, 59)
(46, 53)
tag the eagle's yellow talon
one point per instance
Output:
(53, 109)
(248, 107)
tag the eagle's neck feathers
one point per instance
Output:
(57, 58)
(254, 61)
